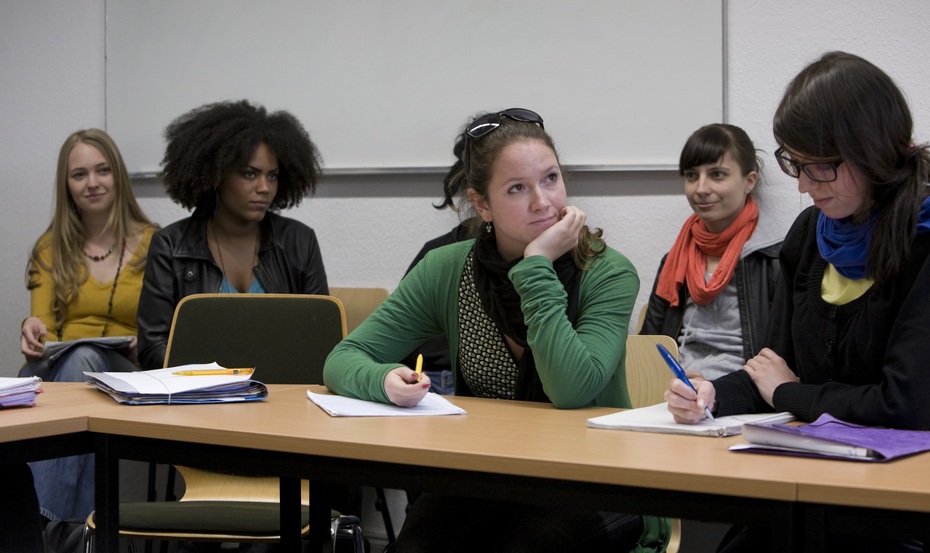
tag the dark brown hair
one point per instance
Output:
(476, 172)
(842, 106)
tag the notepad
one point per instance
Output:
(656, 418)
(54, 350)
(829, 437)
(163, 386)
(341, 406)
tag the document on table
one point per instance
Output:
(341, 406)
(19, 392)
(656, 418)
(165, 386)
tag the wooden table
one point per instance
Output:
(56, 426)
(501, 449)
(866, 499)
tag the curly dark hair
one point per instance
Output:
(208, 142)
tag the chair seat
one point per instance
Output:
(247, 518)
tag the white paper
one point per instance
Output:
(162, 381)
(656, 418)
(18, 384)
(341, 406)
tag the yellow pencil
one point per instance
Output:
(213, 372)
(419, 367)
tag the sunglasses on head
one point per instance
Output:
(485, 124)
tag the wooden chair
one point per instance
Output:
(358, 303)
(287, 338)
(647, 378)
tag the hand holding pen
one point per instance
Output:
(406, 387)
(682, 396)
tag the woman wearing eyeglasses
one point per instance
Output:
(535, 308)
(714, 289)
(848, 333)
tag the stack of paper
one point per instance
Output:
(168, 386)
(656, 418)
(54, 350)
(19, 392)
(832, 438)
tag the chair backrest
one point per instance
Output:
(647, 375)
(359, 303)
(286, 337)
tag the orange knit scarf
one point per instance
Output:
(687, 260)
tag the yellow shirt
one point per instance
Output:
(836, 289)
(87, 314)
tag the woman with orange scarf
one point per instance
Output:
(715, 286)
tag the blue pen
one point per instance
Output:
(679, 372)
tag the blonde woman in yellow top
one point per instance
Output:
(84, 275)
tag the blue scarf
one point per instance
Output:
(845, 245)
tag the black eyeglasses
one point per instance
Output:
(819, 171)
(485, 124)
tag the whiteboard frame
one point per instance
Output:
(432, 168)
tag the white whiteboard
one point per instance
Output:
(385, 85)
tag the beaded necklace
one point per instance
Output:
(100, 257)
(119, 267)
(106, 325)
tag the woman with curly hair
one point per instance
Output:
(234, 164)
(84, 276)
(535, 308)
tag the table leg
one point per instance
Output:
(290, 514)
(106, 489)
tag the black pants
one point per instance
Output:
(454, 524)
(21, 526)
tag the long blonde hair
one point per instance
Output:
(65, 235)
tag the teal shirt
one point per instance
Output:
(577, 366)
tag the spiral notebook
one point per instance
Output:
(656, 418)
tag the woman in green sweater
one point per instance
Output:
(536, 308)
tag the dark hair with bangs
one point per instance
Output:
(711, 143)
(208, 142)
(842, 106)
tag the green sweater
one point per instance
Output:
(578, 366)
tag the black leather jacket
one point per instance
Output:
(180, 263)
(756, 276)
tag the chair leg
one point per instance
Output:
(347, 535)
(87, 539)
(381, 504)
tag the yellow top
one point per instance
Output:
(87, 314)
(839, 290)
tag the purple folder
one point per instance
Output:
(833, 438)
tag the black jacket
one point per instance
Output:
(180, 264)
(756, 276)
